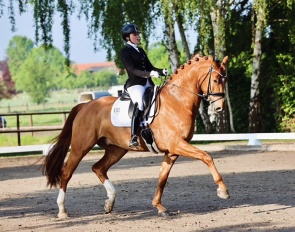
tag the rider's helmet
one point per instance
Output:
(129, 29)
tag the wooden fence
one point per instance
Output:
(22, 129)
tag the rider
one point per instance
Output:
(139, 70)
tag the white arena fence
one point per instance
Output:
(254, 139)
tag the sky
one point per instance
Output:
(81, 50)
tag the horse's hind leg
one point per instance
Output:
(166, 166)
(112, 155)
(68, 169)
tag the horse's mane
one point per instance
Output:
(193, 60)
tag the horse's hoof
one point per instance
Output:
(223, 194)
(164, 214)
(62, 215)
(108, 206)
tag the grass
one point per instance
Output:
(60, 101)
(7, 140)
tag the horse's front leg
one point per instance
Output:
(166, 166)
(183, 148)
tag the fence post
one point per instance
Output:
(64, 117)
(18, 130)
(31, 123)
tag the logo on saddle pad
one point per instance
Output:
(122, 110)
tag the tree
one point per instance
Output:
(222, 25)
(170, 40)
(277, 70)
(39, 72)
(286, 91)
(105, 78)
(84, 80)
(19, 48)
(7, 88)
(179, 9)
(259, 8)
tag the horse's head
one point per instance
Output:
(212, 83)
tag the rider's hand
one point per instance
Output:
(165, 72)
(154, 74)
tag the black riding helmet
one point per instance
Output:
(129, 29)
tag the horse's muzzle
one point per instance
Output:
(218, 109)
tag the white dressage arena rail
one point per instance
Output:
(254, 139)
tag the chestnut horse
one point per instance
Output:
(173, 127)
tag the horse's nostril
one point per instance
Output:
(218, 109)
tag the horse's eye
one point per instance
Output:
(215, 81)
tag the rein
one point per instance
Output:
(209, 92)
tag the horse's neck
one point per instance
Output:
(183, 88)
(183, 93)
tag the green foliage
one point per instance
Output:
(84, 80)
(60, 100)
(105, 78)
(18, 49)
(102, 79)
(39, 73)
(239, 89)
(286, 91)
(122, 79)
(106, 18)
(159, 57)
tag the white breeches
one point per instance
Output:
(136, 93)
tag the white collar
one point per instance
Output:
(133, 45)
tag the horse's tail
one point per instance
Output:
(54, 160)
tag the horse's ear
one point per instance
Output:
(225, 59)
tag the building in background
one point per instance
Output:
(95, 67)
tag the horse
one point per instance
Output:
(89, 124)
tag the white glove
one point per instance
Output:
(154, 74)
(165, 71)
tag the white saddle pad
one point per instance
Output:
(120, 117)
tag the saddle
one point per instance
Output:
(147, 101)
(119, 113)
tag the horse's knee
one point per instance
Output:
(208, 159)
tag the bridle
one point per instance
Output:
(209, 92)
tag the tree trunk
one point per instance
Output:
(230, 111)
(218, 31)
(182, 32)
(205, 118)
(171, 45)
(254, 109)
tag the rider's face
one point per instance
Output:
(135, 38)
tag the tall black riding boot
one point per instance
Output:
(135, 124)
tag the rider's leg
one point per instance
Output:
(135, 124)
(136, 92)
